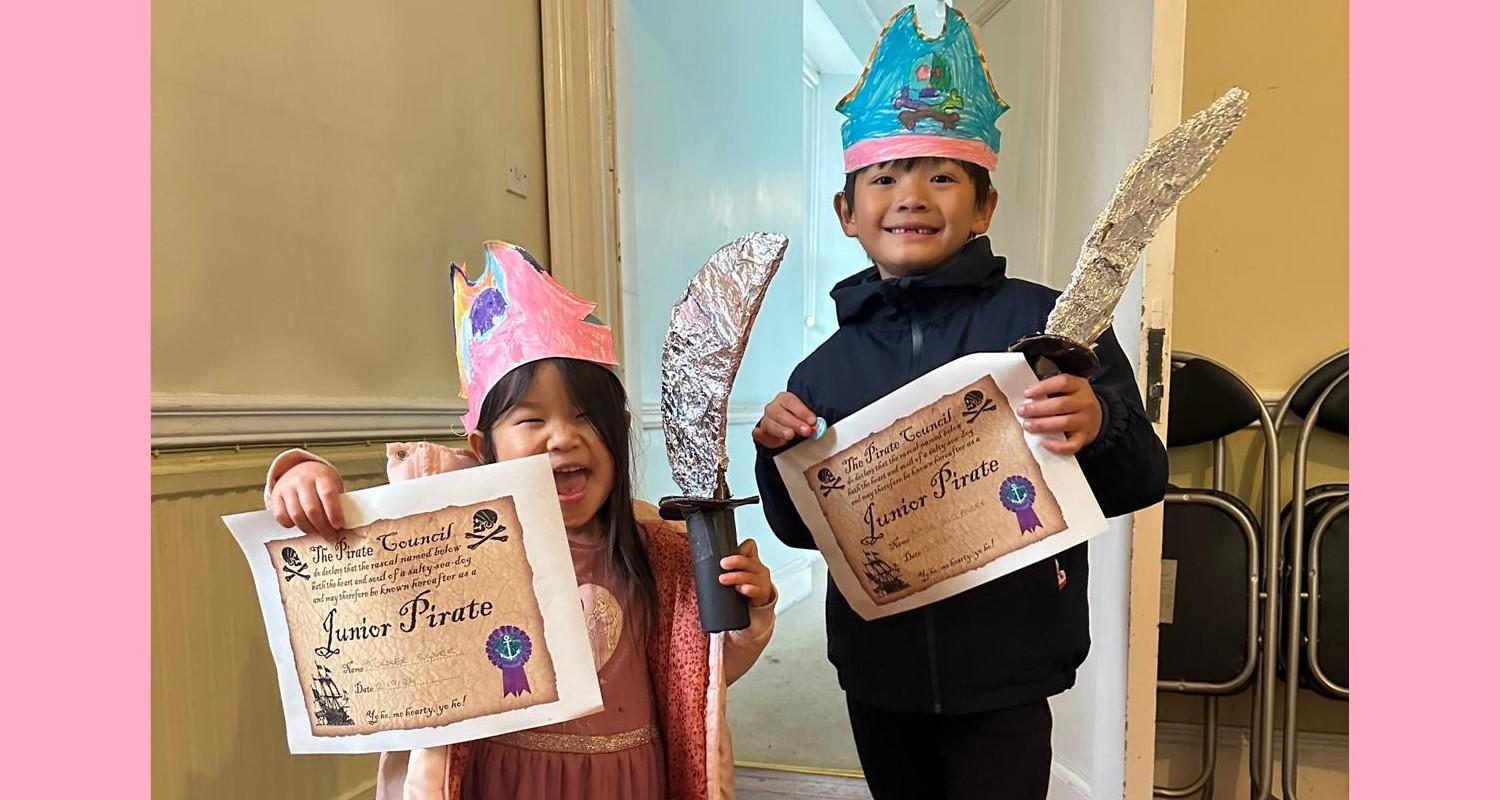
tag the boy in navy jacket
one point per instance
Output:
(950, 700)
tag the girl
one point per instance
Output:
(663, 731)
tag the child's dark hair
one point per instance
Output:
(979, 175)
(599, 395)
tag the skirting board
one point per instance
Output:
(1187, 733)
(794, 581)
(1068, 785)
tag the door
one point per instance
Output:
(715, 139)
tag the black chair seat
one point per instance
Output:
(1333, 602)
(1206, 640)
(1332, 562)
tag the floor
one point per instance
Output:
(788, 710)
(762, 784)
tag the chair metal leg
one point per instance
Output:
(1204, 781)
(1295, 594)
(1263, 713)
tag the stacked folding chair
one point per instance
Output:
(1214, 604)
(1315, 574)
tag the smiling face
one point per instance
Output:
(912, 215)
(547, 419)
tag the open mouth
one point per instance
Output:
(912, 230)
(572, 483)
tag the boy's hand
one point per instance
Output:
(308, 496)
(785, 418)
(1063, 404)
(749, 575)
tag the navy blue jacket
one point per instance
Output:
(1016, 639)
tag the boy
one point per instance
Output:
(950, 700)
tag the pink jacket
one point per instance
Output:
(690, 670)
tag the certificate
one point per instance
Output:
(446, 611)
(936, 488)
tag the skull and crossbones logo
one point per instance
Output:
(294, 568)
(975, 403)
(829, 481)
(486, 527)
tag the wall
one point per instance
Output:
(1103, 118)
(315, 166)
(838, 256)
(1263, 266)
(314, 169)
(1270, 228)
(1322, 773)
(710, 107)
(217, 728)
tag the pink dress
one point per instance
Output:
(614, 753)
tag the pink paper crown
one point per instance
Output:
(513, 315)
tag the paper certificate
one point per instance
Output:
(447, 611)
(936, 488)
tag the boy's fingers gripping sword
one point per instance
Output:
(1152, 186)
(705, 343)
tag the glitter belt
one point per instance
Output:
(578, 743)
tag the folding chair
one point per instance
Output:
(1317, 571)
(1209, 636)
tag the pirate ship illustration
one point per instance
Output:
(886, 578)
(333, 708)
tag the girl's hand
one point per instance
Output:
(1063, 404)
(308, 496)
(748, 575)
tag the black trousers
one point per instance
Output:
(993, 755)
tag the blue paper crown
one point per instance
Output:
(921, 96)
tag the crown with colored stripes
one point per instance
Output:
(515, 314)
(921, 96)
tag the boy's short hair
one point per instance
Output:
(979, 175)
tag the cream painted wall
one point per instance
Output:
(1262, 268)
(1262, 278)
(217, 728)
(315, 166)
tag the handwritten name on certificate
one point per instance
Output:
(936, 488)
(446, 611)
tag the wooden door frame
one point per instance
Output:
(1168, 36)
(583, 228)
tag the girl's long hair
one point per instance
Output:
(600, 395)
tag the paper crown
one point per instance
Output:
(921, 96)
(513, 315)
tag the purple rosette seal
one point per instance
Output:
(1018, 494)
(509, 648)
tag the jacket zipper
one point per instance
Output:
(932, 660)
(916, 347)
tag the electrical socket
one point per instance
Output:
(517, 175)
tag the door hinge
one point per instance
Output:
(1156, 388)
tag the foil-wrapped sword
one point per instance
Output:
(706, 340)
(1146, 195)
